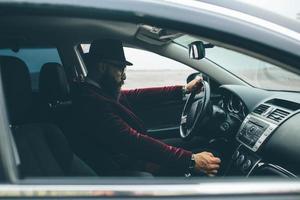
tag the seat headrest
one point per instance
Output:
(17, 87)
(53, 83)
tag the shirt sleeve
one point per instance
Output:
(153, 95)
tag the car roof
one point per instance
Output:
(120, 19)
(132, 5)
(147, 7)
(258, 12)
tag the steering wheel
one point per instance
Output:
(194, 111)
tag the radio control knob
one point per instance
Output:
(252, 142)
(247, 164)
(252, 129)
(240, 159)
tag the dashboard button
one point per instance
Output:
(225, 126)
(266, 133)
(235, 155)
(240, 159)
(252, 142)
(247, 164)
(252, 130)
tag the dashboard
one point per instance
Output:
(268, 137)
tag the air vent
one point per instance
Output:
(261, 109)
(278, 115)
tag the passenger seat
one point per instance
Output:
(54, 94)
(42, 147)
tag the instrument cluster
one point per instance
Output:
(234, 106)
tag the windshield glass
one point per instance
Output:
(286, 8)
(255, 72)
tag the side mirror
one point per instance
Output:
(197, 49)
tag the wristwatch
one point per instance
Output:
(192, 163)
(191, 166)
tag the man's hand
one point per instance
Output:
(194, 85)
(207, 163)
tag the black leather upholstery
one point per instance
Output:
(54, 93)
(44, 151)
(17, 88)
(53, 84)
(42, 147)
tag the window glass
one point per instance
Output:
(34, 59)
(255, 72)
(152, 70)
(287, 8)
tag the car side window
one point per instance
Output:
(152, 70)
(34, 59)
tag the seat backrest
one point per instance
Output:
(42, 147)
(53, 85)
(17, 88)
(54, 95)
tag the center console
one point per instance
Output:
(255, 130)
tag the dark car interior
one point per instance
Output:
(255, 131)
(43, 148)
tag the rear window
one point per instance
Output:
(34, 59)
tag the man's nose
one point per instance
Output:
(123, 76)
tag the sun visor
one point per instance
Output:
(155, 35)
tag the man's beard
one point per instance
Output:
(111, 86)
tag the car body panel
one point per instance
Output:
(218, 24)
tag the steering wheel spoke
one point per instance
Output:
(183, 119)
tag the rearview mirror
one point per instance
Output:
(197, 49)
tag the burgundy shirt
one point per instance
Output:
(117, 129)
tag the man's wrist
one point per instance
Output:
(192, 163)
(191, 167)
(184, 90)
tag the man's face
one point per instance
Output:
(113, 79)
(117, 75)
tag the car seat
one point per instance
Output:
(42, 148)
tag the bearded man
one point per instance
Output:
(111, 125)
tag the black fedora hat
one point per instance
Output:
(108, 50)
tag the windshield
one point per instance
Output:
(255, 72)
(286, 8)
